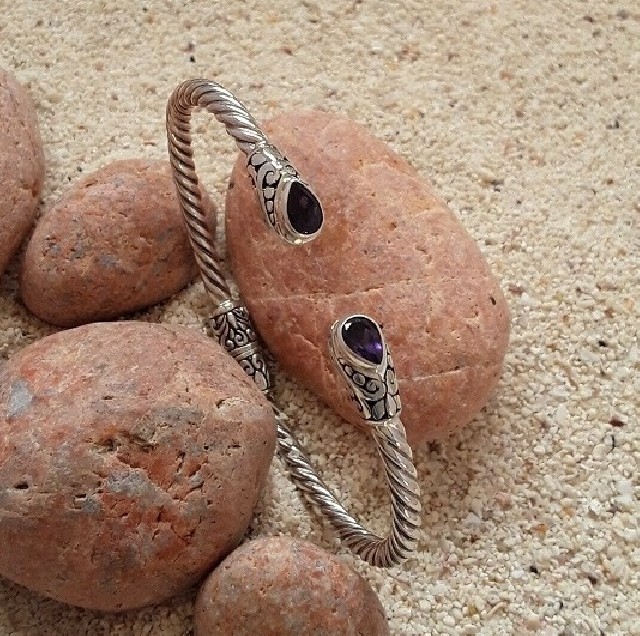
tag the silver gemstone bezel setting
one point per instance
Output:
(267, 164)
(373, 386)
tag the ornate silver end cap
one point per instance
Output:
(288, 203)
(358, 348)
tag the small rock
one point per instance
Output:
(132, 456)
(279, 586)
(390, 249)
(532, 620)
(21, 165)
(113, 244)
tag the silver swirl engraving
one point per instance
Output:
(373, 385)
(272, 175)
(232, 326)
(375, 392)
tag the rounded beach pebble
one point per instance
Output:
(279, 586)
(113, 244)
(390, 249)
(132, 456)
(21, 165)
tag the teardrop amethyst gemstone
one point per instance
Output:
(303, 209)
(363, 337)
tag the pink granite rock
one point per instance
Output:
(131, 458)
(21, 165)
(279, 586)
(113, 244)
(390, 249)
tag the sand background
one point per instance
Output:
(525, 115)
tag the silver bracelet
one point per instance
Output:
(356, 343)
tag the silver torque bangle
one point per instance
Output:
(356, 343)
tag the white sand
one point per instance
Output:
(525, 114)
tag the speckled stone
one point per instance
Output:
(21, 165)
(113, 244)
(131, 459)
(390, 249)
(279, 586)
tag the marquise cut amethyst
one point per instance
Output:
(303, 209)
(363, 338)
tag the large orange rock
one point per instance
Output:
(131, 459)
(114, 243)
(21, 165)
(389, 248)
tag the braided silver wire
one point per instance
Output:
(401, 478)
(241, 126)
(235, 331)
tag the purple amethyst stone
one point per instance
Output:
(363, 338)
(303, 209)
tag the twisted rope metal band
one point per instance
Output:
(247, 135)
(241, 126)
(273, 177)
(402, 481)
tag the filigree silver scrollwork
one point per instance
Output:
(273, 175)
(234, 330)
(373, 386)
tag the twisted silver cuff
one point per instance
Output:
(357, 345)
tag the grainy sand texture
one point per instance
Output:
(525, 115)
